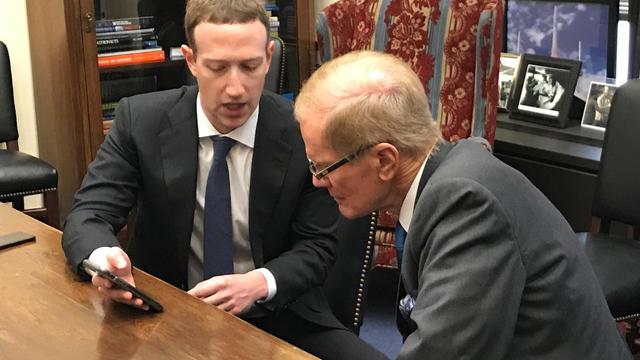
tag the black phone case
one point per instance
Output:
(122, 284)
(15, 238)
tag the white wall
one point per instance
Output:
(319, 5)
(15, 34)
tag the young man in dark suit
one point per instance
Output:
(490, 269)
(280, 230)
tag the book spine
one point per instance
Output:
(124, 33)
(141, 20)
(130, 46)
(126, 40)
(132, 58)
(106, 29)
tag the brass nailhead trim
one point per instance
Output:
(25, 193)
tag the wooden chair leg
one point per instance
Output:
(53, 212)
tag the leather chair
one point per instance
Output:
(274, 80)
(22, 174)
(616, 259)
(346, 285)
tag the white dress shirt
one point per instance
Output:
(409, 202)
(239, 162)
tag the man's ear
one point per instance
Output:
(388, 160)
(270, 48)
(190, 57)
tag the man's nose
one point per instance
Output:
(235, 85)
(322, 182)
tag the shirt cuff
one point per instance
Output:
(271, 285)
(99, 256)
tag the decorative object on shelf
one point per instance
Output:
(508, 70)
(596, 110)
(543, 90)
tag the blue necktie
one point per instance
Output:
(400, 234)
(218, 233)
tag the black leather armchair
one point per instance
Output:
(346, 285)
(274, 80)
(20, 173)
(616, 259)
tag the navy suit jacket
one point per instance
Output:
(495, 270)
(149, 160)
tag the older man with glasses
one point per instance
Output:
(491, 269)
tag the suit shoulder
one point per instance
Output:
(277, 106)
(163, 100)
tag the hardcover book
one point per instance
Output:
(130, 57)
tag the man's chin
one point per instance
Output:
(351, 213)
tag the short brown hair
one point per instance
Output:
(365, 98)
(222, 12)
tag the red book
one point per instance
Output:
(130, 57)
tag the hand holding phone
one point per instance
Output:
(93, 268)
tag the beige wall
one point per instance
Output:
(319, 5)
(14, 33)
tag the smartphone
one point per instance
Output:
(93, 268)
(15, 238)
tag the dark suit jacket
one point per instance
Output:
(149, 159)
(496, 271)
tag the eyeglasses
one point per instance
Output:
(319, 174)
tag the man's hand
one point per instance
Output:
(116, 261)
(232, 293)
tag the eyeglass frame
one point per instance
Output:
(324, 172)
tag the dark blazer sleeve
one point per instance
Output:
(464, 268)
(107, 194)
(313, 236)
(293, 221)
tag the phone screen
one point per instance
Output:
(120, 283)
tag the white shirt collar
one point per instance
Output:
(245, 134)
(406, 211)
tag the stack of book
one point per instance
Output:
(273, 25)
(112, 90)
(127, 41)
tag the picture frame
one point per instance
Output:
(543, 89)
(597, 106)
(506, 76)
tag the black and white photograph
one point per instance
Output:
(543, 89)
(508, 68)
(596, 109)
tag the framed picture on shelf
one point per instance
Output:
(596, 109)
(508, 69)
(543, 90)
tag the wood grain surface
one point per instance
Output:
(47, 313)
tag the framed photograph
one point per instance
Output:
(596, 109)
(508, 69)
(543, 90)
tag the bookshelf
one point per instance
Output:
(69, 86)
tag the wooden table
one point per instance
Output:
(46, 313)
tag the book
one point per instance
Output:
(125, 46)
(112, 90)
(124, 34)
(106, 29)
(130, 57)
(139, 20)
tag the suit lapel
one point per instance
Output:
(271, 157)
(404, 326)
(179, 153)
